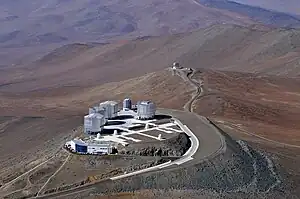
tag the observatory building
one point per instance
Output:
(96, 109)
(93, 123)
(176, 66)
(145, 110)
(98, 116)
(127, 104)
(110, 109)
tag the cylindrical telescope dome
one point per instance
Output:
(127, 104)
(176, 64)
(146, 110)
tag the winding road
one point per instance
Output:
(206, 140)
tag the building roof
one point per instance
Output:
(79, 142)
(109, 103)
(94, 115)
(145, 102)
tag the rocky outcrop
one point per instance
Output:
(175, 146)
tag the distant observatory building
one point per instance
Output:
(175, 65)
(93, 123)
(127, 104)
(145, 110)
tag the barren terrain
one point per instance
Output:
(31, 29)
(264, 105)
(288, 6)
(223, 100)
(219, 47)
(42, 106)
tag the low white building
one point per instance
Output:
(94, 148)
(89, 147)
(77, 146)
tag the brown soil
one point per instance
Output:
(37, 139)
(268, 106)
(93, 166)
(41, 175)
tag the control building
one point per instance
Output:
(127, 104)
(89, 147)
(110, 109)
(93, 123)
(99, 148)
(145, 110)
(77, 146)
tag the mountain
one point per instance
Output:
(220, 47)
(287, 6)
(32, 29)
(262, 15)
(91, 20)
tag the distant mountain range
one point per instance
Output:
(287, 6)
(258, 14)
(32, 29)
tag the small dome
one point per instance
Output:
(176, 64)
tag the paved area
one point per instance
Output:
(210, 140)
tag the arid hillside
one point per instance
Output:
(31, 29)
(221, 47)
(40, 122)
(244, 105)
(267, 106)
(167, 90)
(262, 104)
(263, 14)
(288, 6)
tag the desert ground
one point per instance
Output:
(256, 106)
(218, 87)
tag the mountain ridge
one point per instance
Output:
(219, 47)
(31, 30)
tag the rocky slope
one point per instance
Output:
(240, 170)
(175, 146)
